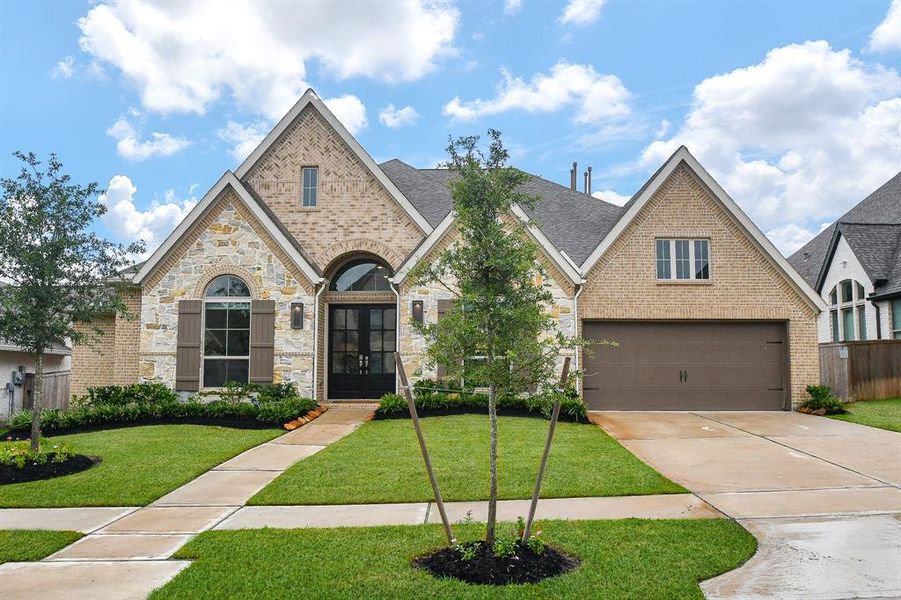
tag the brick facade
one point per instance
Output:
(743, 284)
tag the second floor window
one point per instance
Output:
(683, 259)
(310, 186)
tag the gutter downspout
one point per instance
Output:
(396, 331)
(320, 287)
(579, 289)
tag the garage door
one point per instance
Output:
(686, 366)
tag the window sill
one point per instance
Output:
(701, 282)
(311, 208)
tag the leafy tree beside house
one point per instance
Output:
(56, 271)
(499, 332)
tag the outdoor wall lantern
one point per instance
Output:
(297, 315)
(418, 311)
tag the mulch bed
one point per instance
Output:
(501, 412)
(25, 434)
(485, 568)
(48, 470)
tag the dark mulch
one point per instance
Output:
(48, 470)
(501, 411)
(485, 568)
(25, 434)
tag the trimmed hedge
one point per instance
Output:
(431, 401)
(144, 403)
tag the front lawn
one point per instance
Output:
(23, 545)
(380, 462)
(884, 414)
(620, 559)
(139, 464)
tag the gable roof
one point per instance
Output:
(572, 221)
(277, 231)
(863, 229)
(310, 98)
(641, 198)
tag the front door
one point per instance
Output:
(361, 341)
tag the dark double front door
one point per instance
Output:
(361, 342)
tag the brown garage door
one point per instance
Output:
(686, 366)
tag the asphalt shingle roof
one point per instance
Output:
(872, 229)
(573, 221)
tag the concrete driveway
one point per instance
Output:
(823, 497)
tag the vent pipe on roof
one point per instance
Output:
(588, 187)
(572, 176)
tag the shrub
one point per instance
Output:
(821, 398)
(432, 399)
(277, 392)
(19, 455)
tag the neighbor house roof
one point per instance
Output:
(873, 231)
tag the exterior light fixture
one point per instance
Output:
(417, 310)
(297, 315)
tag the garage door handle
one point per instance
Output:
(686, 376)
(680, 376)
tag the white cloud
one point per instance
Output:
(798, 138)
(662, 129)
(244, 138)
(887, 35)
(511, 7)
(396, 118)
(581, 12)
(64, 68)
(183, 56)
(350, 111)
(596, 97)
(612, 197)
(128, 223)
(790, 237)
(130, 146)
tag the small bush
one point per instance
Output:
(18, 455)
(821, 398)
(432, 398)
(118, 395)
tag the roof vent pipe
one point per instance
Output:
(572, 176)
(585, 182)
(588, 191)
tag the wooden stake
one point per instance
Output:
(425, 452)
(555, 414)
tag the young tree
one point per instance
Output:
(499, 331)
(56, 272)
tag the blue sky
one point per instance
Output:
(795, 107)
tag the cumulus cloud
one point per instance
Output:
(581, 12)
(612, 197)
(244, 138)
(183, 56)
(64, 68)
(350, 111)
(395, 118)
(511, 7)
(790, 237)
(127, 223)
(596, 97)
(798, 138)
(130, 146)
(887, 35)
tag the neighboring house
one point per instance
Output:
(17, 377)
(855, 265)
(295, 267)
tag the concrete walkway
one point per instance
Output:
(125, 553)
(821, 496)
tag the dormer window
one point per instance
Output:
(310, 186)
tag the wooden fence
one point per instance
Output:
(862, 370)
(56, 390)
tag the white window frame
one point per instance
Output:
(857, 305)
(220, 300)
(303, 187)
(692, 271)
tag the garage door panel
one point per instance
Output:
(686, 366)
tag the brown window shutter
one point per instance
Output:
(443, 307)
(187, 351)
(262, 340)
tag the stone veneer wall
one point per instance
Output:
(353, 213)
(112, 358)
(744, 284)
(227, 241)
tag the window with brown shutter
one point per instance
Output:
(187, 353)
(262, 340)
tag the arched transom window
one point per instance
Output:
(847, 302)
(365, 275)
(226, 331)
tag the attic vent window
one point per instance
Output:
(310, 181)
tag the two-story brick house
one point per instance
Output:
(295, 267)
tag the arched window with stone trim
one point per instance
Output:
(226, 331)
(362, 275)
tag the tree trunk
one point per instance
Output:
(492, 462)
(37, 401)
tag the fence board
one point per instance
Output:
(862, 370)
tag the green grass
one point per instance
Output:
(139, 464)
(884, 414)
(620, 559)
(22, 545)
(380, 462)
